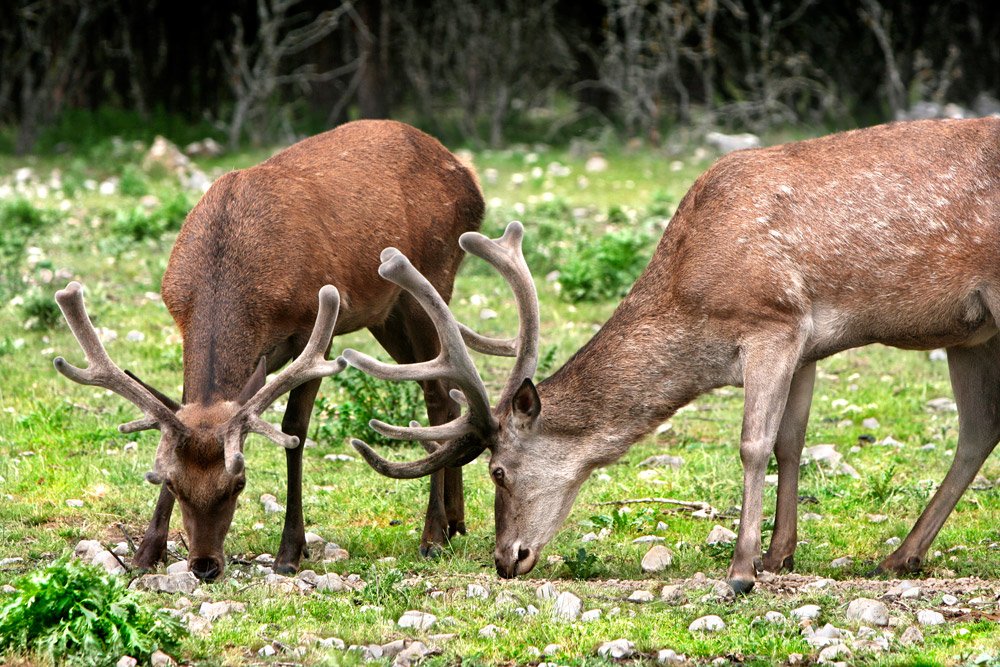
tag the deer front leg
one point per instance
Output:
(295, 422)
(153, 547)
(767, 376)
(975, 379)
(788, 451)
(446, 505)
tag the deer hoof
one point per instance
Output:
(285, 568)
(741, 586)
(775, 565)
(899, 565)
(431, 550)
(456, 528)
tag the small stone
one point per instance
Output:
(266, 651)
(668, 656)
(658, 558)
(412, 653)
(893, 542)
(818, 585)
(722, 591)
(476, 591)
(177, 567)
(805, 612)
(812, 516)
(126, 661)
(333, 553)
(710, 623)
(795, 658)
(825, 636)
(617, 649)
(392, 649)
(834, 653)
(313, 539)
(949, 600)
(109, 562)
(662, 461)
(843, 561)
(332, 642)
(912, 593)
(161, 659)
(330, 581)
(870, 423)
(661, 526)
(648, 539)
(551, 649)
(871, 612)
(930, 617)
(589, 537)
(673, 593)
(183, 582)
(942, 404)
(489, 631)
(775, 617)
(85, 550)
(546, 591)
(121, 549)
(416, 619)
(567, 607)
(73, 502)
(590, 615)
(216, 610)
(532, 610)
(720, 535)
(641, 596)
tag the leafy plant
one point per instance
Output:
(604, 268)
(880, 487)
(77, 614)
(582, 564)
(20, 220)
(358, 398)
(138, 224)
(622, 520)
(40, 310)
(133, 182)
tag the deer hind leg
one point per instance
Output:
(788, 450)
(153, 547)
(975, 379)
(409, 336)
(768, 368)
(295, 422)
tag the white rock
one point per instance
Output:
(161, 659)
(673, 593)
(590, 615)
(720, 535)
(85, 550)
(216, 610)
(73, 502)
(126, 661)
(725, 143)
(775, 617)
(546, 591)
(551, 649)
(596, 164)
(662, 461)
(266, 651)
(271, 504)
(812, 516)
(911, 593)
(710, 623)
(589, 537)
(930, 617)
(476, 591)
(658, 558)
(489, 631)
(818, 585)
(865, 610)
(567, 607)
(834, 653)
(870, 423)
(183, 582)
(330, 581)
(843, 561)
(805, 612)
(893, 541)
(641, 596)
(617, 649)
(416, 619)
(648, 539)
(177, 567)
(949, 600)
(668, 656)
(333, 553)
(314, 539)
(109, 562)
(332, 642)
(411, 654)
(825, 636)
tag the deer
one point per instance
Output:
(775, 259)
(241, 285)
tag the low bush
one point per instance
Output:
(603, 268)
(356, 398)
(20, 221)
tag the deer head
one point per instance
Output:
(535, 484)
(200, 454)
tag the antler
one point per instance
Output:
(102, 372)
(309, 365)
(453, 362)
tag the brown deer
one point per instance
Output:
(775, 258)
(241, 285)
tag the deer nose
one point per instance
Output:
(513, 560)
(206, 569)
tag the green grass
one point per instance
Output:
(58, 442)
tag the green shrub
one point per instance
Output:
(582, 564)
(138, 224)
(663, 205)
(76, 614)
(356, 398)
(133, 182)
(603, 268)
(20, 220)
(41, 312)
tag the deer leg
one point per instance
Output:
(295, 422)
(975, 379)
(153, 547)
(788, 450)
(408, 336)
(767, 377)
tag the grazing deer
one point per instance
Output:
(241, 284)
(775, 258)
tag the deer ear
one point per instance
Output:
(255, 382)
(526, 405)
(173, 405)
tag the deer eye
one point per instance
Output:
(239, 486)
(498, 475)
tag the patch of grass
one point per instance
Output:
(77, 614)
(41, 312)
(582, 564)
(356, 398)
(20, 221)
(604, 268)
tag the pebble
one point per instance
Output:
(775, 617)
(183, 582)
(590, 615)
(930, 617)
(108, 562)
(126, 661)
(710, 623)
(546, 591)
(567, 607)
(641, 596)
(723, 591)
(410, 654)
(870, 423)
(843, 561)
(314, 539)
(161, 659)
(333, 553)
(215, 610)
(805, 612)
(73, 502)
(673, 593)
(616, 649)
(911, 593)
(177, 567)
(87, 549)
(818, 585)
(648, 539)
(658, 558)
(416, 619)
(825, 636)
(668, 656)
(868, 611)
(551, 649)
(270, 504)
(662, 461)
(949, 600)
(266, 651)
(893, 542)
(589, 537)
(834, 653)
(812, 516)
(489, 631)
(720, 535)
(477, 591)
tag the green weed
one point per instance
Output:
(355, 398)
(582, 564)
(603, 268)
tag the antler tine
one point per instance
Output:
(309, 365)
(101, 371)
(452, 363)
(505, 255)
(443, 457)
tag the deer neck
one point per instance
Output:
(636, 372)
